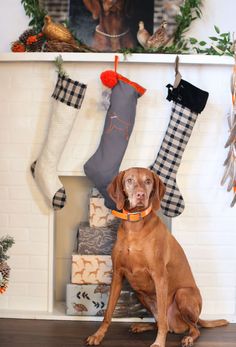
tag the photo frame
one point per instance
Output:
(112, 26)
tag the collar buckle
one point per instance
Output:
(138, 214)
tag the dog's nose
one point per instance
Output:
(140, 195)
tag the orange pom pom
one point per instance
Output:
(109, 78)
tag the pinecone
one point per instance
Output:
(24, 36)
(36, 46)
(4, 276)
(5, 270)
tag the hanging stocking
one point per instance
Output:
(67, 99)
(188, 101)
(104, 165)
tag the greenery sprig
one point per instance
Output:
(188, 12)
(5, 243)
(34, 11)
(221, 44)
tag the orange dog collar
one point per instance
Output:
(132, 216)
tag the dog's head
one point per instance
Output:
(96, 7)
(136, 189)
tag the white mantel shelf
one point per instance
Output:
(109, 57)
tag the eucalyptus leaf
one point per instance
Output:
(213, 38)
(217, 29)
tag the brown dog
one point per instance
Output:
(113, 32)
(153, 262)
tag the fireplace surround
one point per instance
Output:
(206, 227)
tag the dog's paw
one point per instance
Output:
(93, 340)
(187, 341)
(141, 327)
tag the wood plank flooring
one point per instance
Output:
(45, 333)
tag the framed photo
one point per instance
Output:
(112, 25)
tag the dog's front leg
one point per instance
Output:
(116, 285)
(161, 286)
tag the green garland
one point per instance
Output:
(190, 10)
(34, 11)
(5, 243)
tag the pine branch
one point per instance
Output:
(5, 243)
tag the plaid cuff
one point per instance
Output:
(69, 92)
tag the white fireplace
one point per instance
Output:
(206, 229)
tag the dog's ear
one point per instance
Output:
(157, 192)
(116, 192)
(94, 7)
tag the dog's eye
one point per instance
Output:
(148, 181)
(129, 180)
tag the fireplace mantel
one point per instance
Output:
(109, 57)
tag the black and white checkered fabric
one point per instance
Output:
(69, 92)
(59, 199)
(170, 154)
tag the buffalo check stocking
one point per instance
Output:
(188, 102)
(67, 99)
(170, 154)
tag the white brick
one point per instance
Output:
(15, 206)
(4, 302)
(216, 238)
(212, 266)
(209, 127)
(19, 165)
(10, 150)
(153, 139)
(19, 261)
(186, 238)
(218, 223)
(39, 206)
(38, 262)
(4, 165)
(31, 248)
(38, 290)
(4, 193)
(218, 307)
(215, 279)
(218, 294)
(28, 220)
(38, 235)
(19, 234)
(28, 303)
(13, 179)
(4, 222)
(210, 252)
(21, 289)
(28, 276)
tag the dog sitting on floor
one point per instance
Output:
(153, 262)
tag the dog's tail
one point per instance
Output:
(212, 323)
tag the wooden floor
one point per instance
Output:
(44, 333)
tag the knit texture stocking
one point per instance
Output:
(67, 99)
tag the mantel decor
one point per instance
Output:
(37, 38)
(5, 243)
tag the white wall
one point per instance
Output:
(13, 20)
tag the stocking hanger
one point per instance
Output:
(177, 73)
